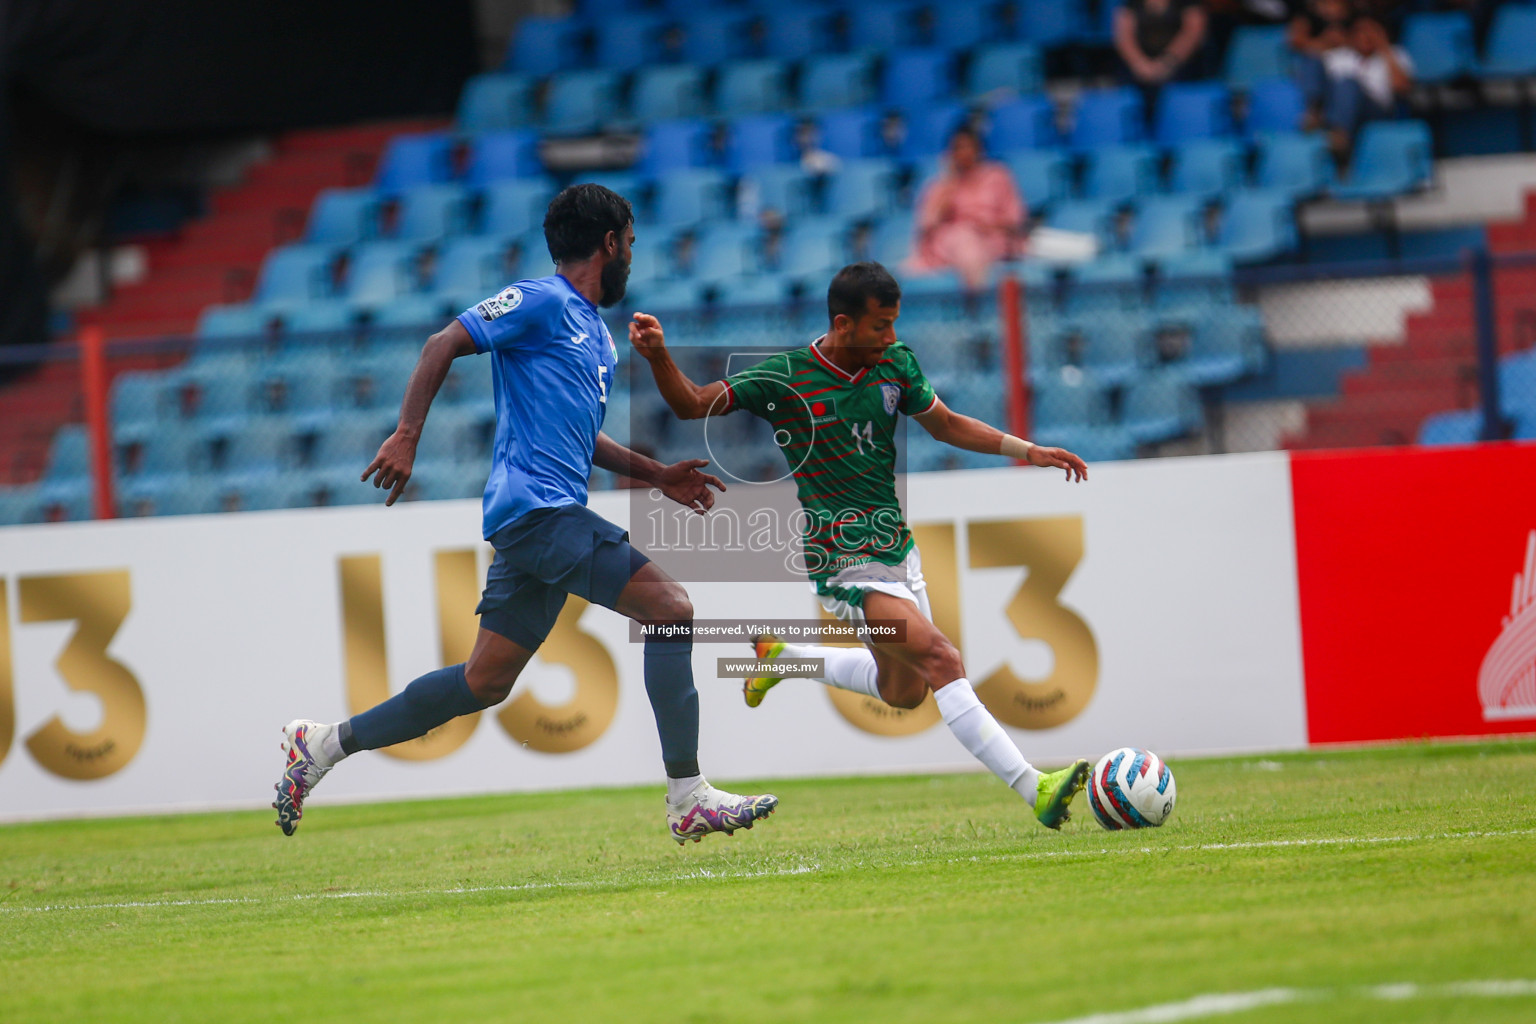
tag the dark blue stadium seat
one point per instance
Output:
(672, 145)
(760, 139)
(1257, 225)
(341, 216)
(411, 160)
(1088, 216)
(1440, 44)
(837, 80)
(1004, 68)
(1391, 158)
(1044, 177)
(1256, 53)
(297, 273)
(543, 46)
(915, 76)
(1052, 22)
(1510, 51)
(496, 102)
(1207, 168)
(1274, 105)
(1108, 117)
(510, 208)
(862, 189)
(498, 156)
(625, 42)
(752, 87)
(852, 134)
(1028, 122)
(1294, 163)
(718, 37)
(667, 92)
(881, 25)
(1120, 173)
(579, 101)
(928, 128)
(782, 187)
(692, 196)
(792, 33)
(1167, 224)
(965, 24)
(1193, 110)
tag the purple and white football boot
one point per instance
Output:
(706, 809)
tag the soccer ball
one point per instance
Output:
(1131, 788)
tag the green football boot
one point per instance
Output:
(1056, 790)
(754, 689)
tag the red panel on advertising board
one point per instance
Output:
(1413, 621)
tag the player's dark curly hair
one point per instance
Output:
(580, 217)
(855, 284)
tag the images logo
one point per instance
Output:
(1506, 684)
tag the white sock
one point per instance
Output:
(330, 745)
(848, 668)
(678, 789)
(974, 726)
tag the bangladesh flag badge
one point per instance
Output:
(823, 411)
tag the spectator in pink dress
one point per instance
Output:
(970, 216)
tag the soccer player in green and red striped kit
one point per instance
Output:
(834, 405)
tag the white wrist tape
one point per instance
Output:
(1015, 447)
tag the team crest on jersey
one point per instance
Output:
(823, 411)
(501, 305)
(892, 395)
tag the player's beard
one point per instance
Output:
(614, 281)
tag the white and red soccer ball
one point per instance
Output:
(1131, 788)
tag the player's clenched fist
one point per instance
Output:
(645, 335)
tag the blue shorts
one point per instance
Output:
(544, 555)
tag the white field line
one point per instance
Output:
(708, 874)
(1221, 1004)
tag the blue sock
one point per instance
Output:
(675, 703)
(421, 707)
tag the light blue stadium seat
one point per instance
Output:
(1088, 216)
(412, 160)
(296, 387)
(296, 273)
(752, 87)
(862, 189)
(625, 42)
(1121, 173)
(327, 317)
(1257, 52)
(667, 92)
(852, 134)
(376, 381)
(260, 445)
(671, 296)
(382, 271)
(916, 76)
(135, 401)
(1004, 69)
(1299, 165)
(832, 80)
(814, 247)
(782, 187)
(1112, 356)
(69, 455)
(692, 196)
(1051, 22)
(1391, 158)
(496, 102)
(1075, 403)
(1510, 51)
(499, 156)
(1093, 444)
(543, 46)
(1517, 385)
(893, 240)
(426, 313)
(965, 26)
(513, 207)
(754, 290)
(1207, 168)
(1167, 224)
(1106, 284)
(674, 145)
(1193, 110)
(1044, 177)
(580, 101)
(1440, 44)
(245, 320)
(1197, 279)
(724, 250)
(885, 25)
(1161, 407)
(341, 216)
(1028, 122)
(431, 213)
(1257, 225)
(1108, 117)
(1226, 346)
(928, 128)
(17, 504)
(757, 140)
(473, 266)
(1463, 427)
(1274, 105)
(68, 501)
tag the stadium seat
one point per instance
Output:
(675, 145)
(1044, 177)
(1297, 164)
(667, 92)
(673, 296)
(837, 80)
(782, 187)
(1207, 168)
(382, 271)
(769, 291)
(1110, 355)
(135, 401)
(1274, 105)
(412, 160)
(718, 37)
(497, 156)
(513, 207)
(543, 46)
(1226, 346)
(928, 128)
(1160, 407)
(497, 102)
(342, 216)
(1087, 216)
(1051, 22)
(1255, 53)
(628, 41)
(892, 243)
(1095, 444)
(1080, 403)
(169, 452)
(965, 26)
(1004, 68)
(1517, 385)
(862, 189)
(796, 32)
(1167, 224)
(350, 439)
(753, 87)
(724, 250)
(431, 213)
(758, 140)
(579, 101)
(1510, 51)
(1463, 427)
(1391, 158)
(852, 134)
(1440, 44)
(692, 196)
(1105, 285)
(69, 455)
(882, 25)
(916, 76)
(1257, 225)
(425, 312)
(1192, 279)
(328, 317)
(246, 320)
(1028, 122)
(1193, 110)
(1120, 173)
(296, 273)
(1108, 117)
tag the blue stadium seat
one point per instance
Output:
(966, 25)
(1044, 177)
(135, 401)
(1051, 22)
(1003, 69)
(299, 385)
(382, 271)
(513, 207)
(412, 160)
(544, 46)
(892, 242)
(782, 187)
(928, 128)
(724, 250)
(691, 197)
(497, 156)
(626, 42)
(296, 273)
(580, 101)
(671, 296)
(753, 87)
(1120, 173)
(667, 92)
(1452, 428)
(1207, 168)
(754, 290)
(1080, 403)
(1028, 122)
(1112, 356)
(1257, 52)
(916, 76)
(428, 312)
(170, 452)
(1294, 163)
(1257, 225)
(492, 103)
(61, 500)
(69, 455)
(837, 80)
(1391, 158)
(881, 25)
(1226, 346)
(1517, 385)
(430, 213)
(675, 145)
(246, 320)
(1167, 224)
(328, 317)
(1194, 279)
(1107, 284)
(792, 33)
(862, 189)
(1440, 44)
(351, 439)
(1510, 51)
(759, 140)
(718, 37)
(1088, 216)
(341, 216)
(1160, 407)
(852, 134)
(1274, 105)
(1108, 117)
(1095, 444)
(1193, 110)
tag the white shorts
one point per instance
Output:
(904, 581)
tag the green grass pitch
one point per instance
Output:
(927, 899)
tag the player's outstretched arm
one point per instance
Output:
(398, 453)
(975, 436)
(688, 400)
(683, 482)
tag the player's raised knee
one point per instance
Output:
(670, 604)
(941, 661)
(491, 684)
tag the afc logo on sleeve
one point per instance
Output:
(501, 305)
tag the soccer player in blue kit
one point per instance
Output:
(552, 367)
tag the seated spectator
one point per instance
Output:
(1320, 29)
(1362, 81)
(1157, 41)
(970, 216)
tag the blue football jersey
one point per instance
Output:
(553, 362)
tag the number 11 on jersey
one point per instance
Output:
(864, 436)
